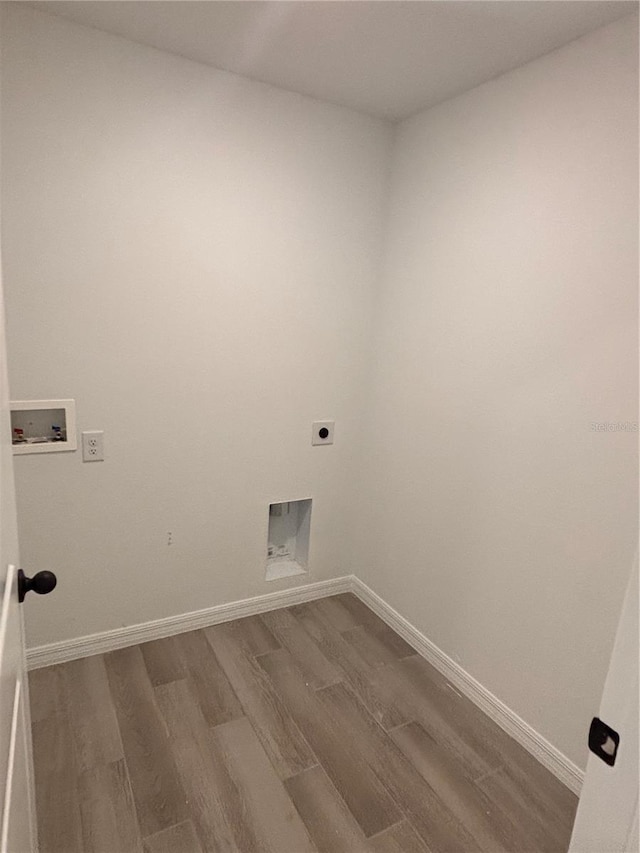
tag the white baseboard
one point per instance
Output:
(119, 638)
(547, 754)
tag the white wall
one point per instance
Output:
(498, 522)
(190, 256)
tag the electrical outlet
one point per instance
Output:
(322, 432)
(93, 446)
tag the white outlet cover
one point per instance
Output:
(318, 434)
(93, 446)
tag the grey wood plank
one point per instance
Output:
(394, 642)
(545, 827)
(325, 814)
(317, 670)
(339, 753)
(57, 802)
(400, 838)
(216, 697)
(266, 804)
(371, 689)
(93, 717)
(362, 615)
(471, 724)
(541, 789)
(334, 611)
(382, 647)
(163, 661)
(47, 692)
(107, 810)
(215, 802)
(252, 634)
(432, 819)
(159, 798)
(475, 731)
(441, 713)
(375, 626)
(478, 742)
(281, 738)
(489, 826)
(177, 839)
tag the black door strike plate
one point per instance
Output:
(603, 741)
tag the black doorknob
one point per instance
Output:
(42, 583)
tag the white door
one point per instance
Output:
(18, 833)
(607, 817)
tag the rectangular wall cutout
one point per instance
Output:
(288, 543)
(43, 426)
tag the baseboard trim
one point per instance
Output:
(107, 641)
(119, 638)
(547, 754)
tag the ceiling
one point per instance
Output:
(382, 57)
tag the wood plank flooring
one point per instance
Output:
(314, 729)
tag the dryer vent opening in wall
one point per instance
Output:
(288, 540)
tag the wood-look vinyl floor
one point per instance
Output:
(314, 728)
